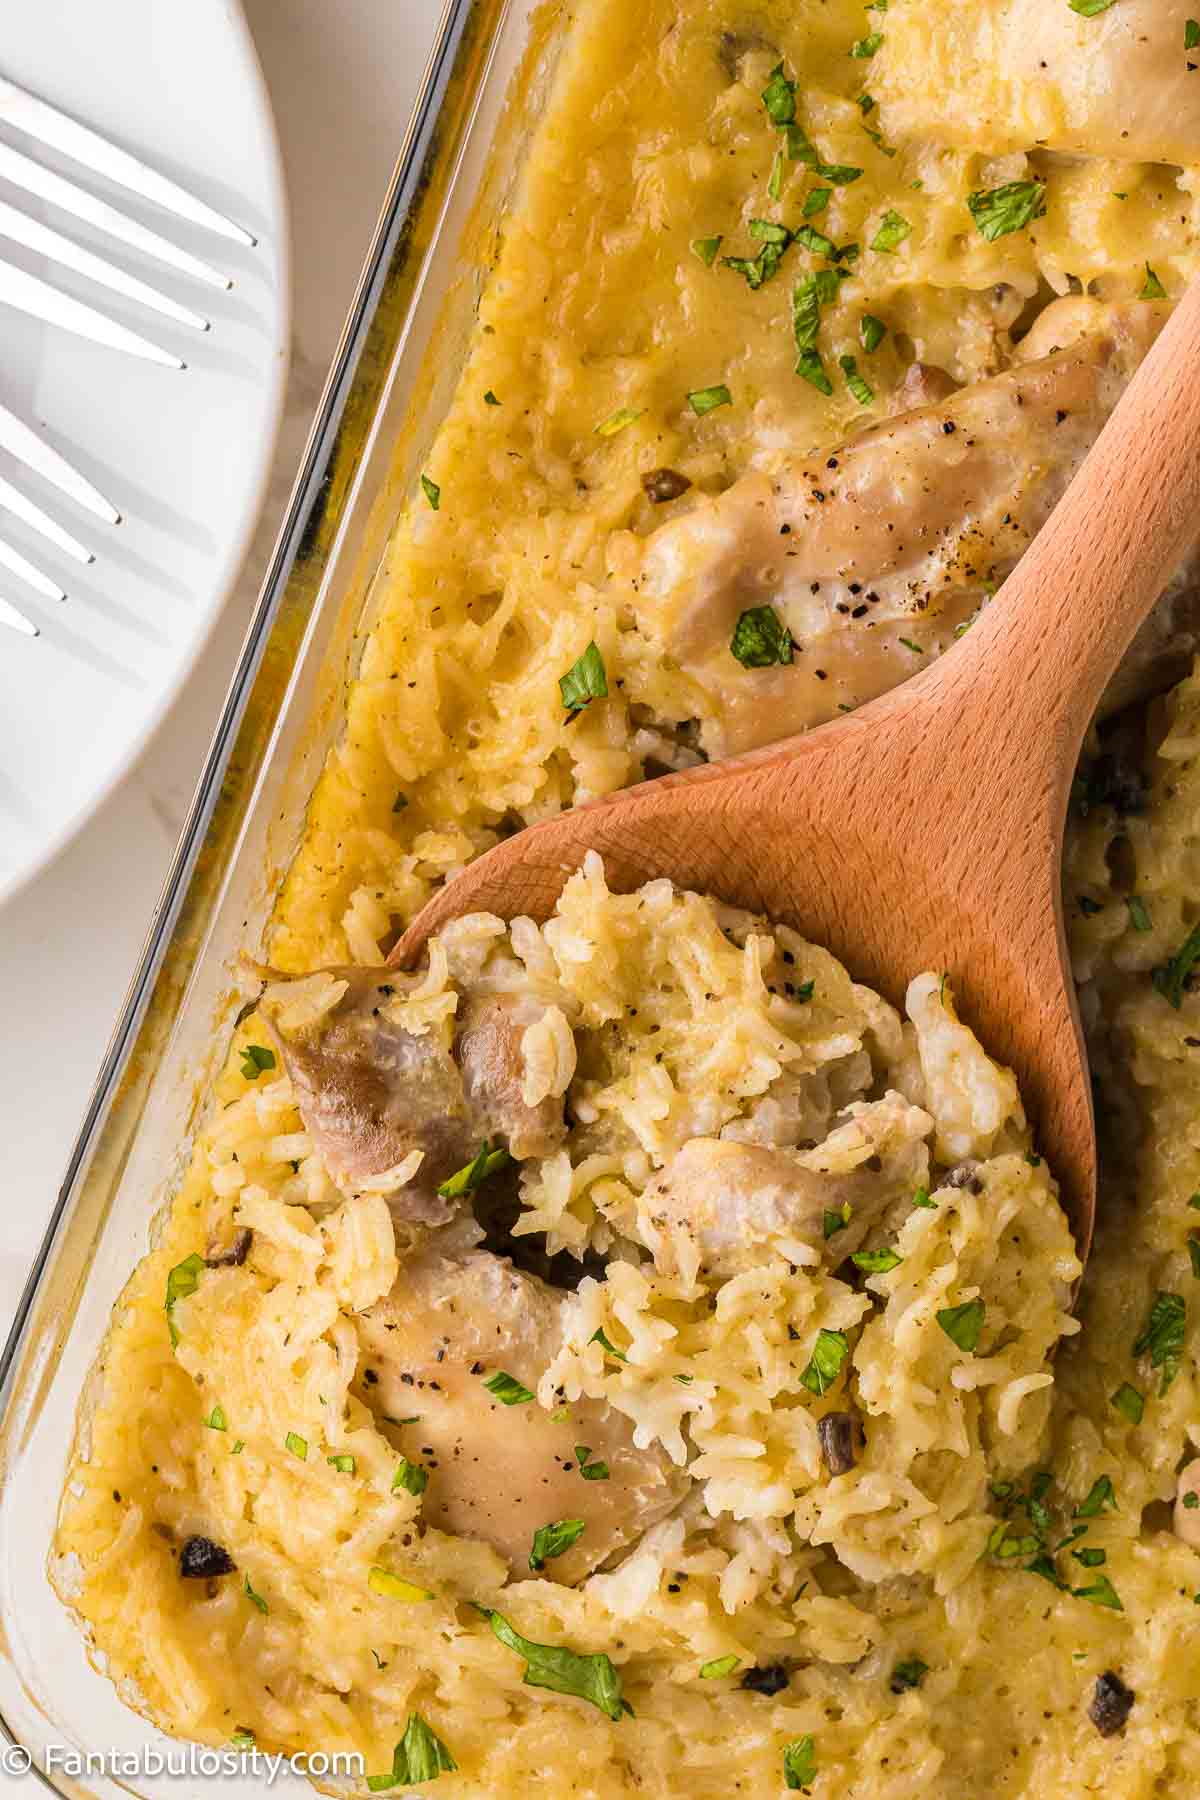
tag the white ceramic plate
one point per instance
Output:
(183, 455)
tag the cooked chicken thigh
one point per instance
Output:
(371, 1091)
(1003, 75)
(874, 554)
(456, 1317)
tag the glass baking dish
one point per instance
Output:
(394, 373)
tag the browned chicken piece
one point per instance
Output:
(371, 1092)
(874, 554)
(456, 1318)
(489, 1054)
(723, 1201)
(1003, 75)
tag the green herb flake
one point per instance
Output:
(800, 1763)
(1152, 287)
(238, 1447)
(256, 1059)
(1129, 1402)
(1193, 1245)
(908, 1674)
(1090, 1559)
(876, 1262)
(1171, 981)
(779, 97)
(816, 201)
(399, 803)
(833, 1222)
(216, 1420)
(297, 1445)
(838, 174)
(963, 1324)
(1191, 1500)
(432, 492)
(610, 1349)
(1090, 9)
(760, 639)
(554, 1540)
(345, 1465)
(862, 390)
(410, 1477)
(1191, 34)
(825, 1365)
(1003, 210)
(591, 1678)
(910, 645)
(866, 104)
(182, 1282)
(1101, 1592)
(617, 421)
(706, 400)
(586, 680)
(922, 1198)
(866, 47)
(893, 229)
(811, 367)
(871, 332)
(1100, 1495)
(390, 1586)
(719, 1667)
(488, 1161)
(507, 1389)
(809, 238)
(419, 1756)
(1139, 915)
(255, 1599)
(489, 399)
(591, 1471)
(242, 1739)
(1162, 1336)
(706, 249)
(775, 179)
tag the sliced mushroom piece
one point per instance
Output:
(456, 1318)
(875, 554)
(718, 1203)
(1186, 1519)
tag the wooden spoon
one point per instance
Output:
(924, 831)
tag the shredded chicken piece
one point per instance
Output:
(456, 1317)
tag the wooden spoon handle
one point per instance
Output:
(1070, 610)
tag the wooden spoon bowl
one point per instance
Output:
(924, 831)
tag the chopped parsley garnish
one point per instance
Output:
(591, 1471)
(216, 1420)
(507, 1389)
(419, 1756)
(779, 97)
(825, 1365)
(871, 332)
(242, 1739)
(908, 1674)
(1090, 1558)
(1162, 1336)
(800, 1763)
(432, 492)
(1193, 1245)
(808, 297)
(487, 1161)
(1129, 1402)
(833, 1222)
(816, 201)
(837, 174)
(811, 367)
(758, 269)
(255, 1059)
(182, 1282)
(254, 1599)
(963, 1324)
(1003, 210)
(1152, 288)
(1139, 916)
(554, 1540)
(1171, 981)
(1100, 1593)
(617, 421)
(591, 1678)
(718, 1667)
(586, 680)
(706, 400)
(775, 179)
(297, 1445)
(893, 229)
(489, 399)
(400, 802)
(394, 1587)
(866, 47)
(609, 1349)
(410, 1476)
(809, 238)
(1100, 1495)
(238, 1447)
(922, 1198)
(915, 648)
(1191, 34)
(760, 639)
(706, 249)
(345, 1465)
(1191, 1500)
(876, 1262)
(1088, 9)
(862, 390)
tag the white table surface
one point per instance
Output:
(342, 76)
